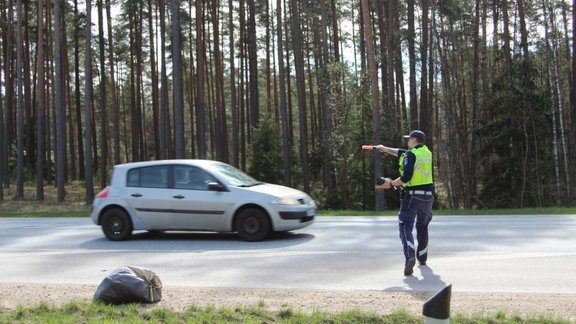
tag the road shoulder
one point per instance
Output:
(180, 298)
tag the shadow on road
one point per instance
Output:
(429, 282)
(421, 285)
(195, 241)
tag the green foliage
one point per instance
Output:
(267, 152)
(516, 151)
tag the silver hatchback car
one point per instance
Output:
(196, 195)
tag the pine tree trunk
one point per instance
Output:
(40, 108)
(297, 43)
(115, 103)
(164, 127)
(88, 106)
(103, 101)
(233, 100)
(20, 102)
(200, 81)
(220, 118)
(77, 96)
(177, 93)
(59, 108)
(286, 156)
(373, 75)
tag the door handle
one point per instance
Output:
(179, 197)
(136, 195)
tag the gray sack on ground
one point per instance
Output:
(130, 284)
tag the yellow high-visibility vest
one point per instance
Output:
(422, 167)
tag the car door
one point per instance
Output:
(148, 193)
(194, 206)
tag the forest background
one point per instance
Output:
(289, 90)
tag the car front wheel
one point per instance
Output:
(116, 225)
(253, 225)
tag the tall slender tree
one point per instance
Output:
(200, 79)
(103, 98)
(425, 115)
(40, 105)
(7, 135)
(2, 159)
(375, 102)
(59, 104)
(411, 40)
(324, 93)
(115, 104)
(221, 134)
(71, 163)
(177, 93)
(29, 114)
(154, 78)
(164, 128)
(391, 48)
(20, 106)
(297, 46)
(253, 64)
(286, 156)
(233, 100)
(77, 91)
(88, 169)
(573, 85)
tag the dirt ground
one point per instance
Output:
(180, 298)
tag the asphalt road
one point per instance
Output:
(501, 254)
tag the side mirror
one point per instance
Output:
(214, 186)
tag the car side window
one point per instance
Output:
(148, 177)
(189, 177)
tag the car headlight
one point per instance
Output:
(286, 201)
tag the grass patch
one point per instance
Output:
(503, 318)
(86, 312)
(73, 206)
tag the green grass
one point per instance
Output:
(85, 312)
(73, 206)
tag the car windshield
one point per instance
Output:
(235, 177)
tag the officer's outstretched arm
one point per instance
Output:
(389, 150)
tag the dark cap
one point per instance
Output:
(417, 134)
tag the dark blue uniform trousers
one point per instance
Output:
(415, 208)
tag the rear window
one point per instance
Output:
(148, 177)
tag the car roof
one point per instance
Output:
(120, 170)
(194, 162)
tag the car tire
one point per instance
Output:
(116, 224)
(253, 225)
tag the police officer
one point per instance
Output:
(417, 199)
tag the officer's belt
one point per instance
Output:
(420, 192)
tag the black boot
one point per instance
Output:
(409, 267)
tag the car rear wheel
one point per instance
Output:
(253, 225)
(116, 225)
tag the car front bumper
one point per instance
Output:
(302, 216)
